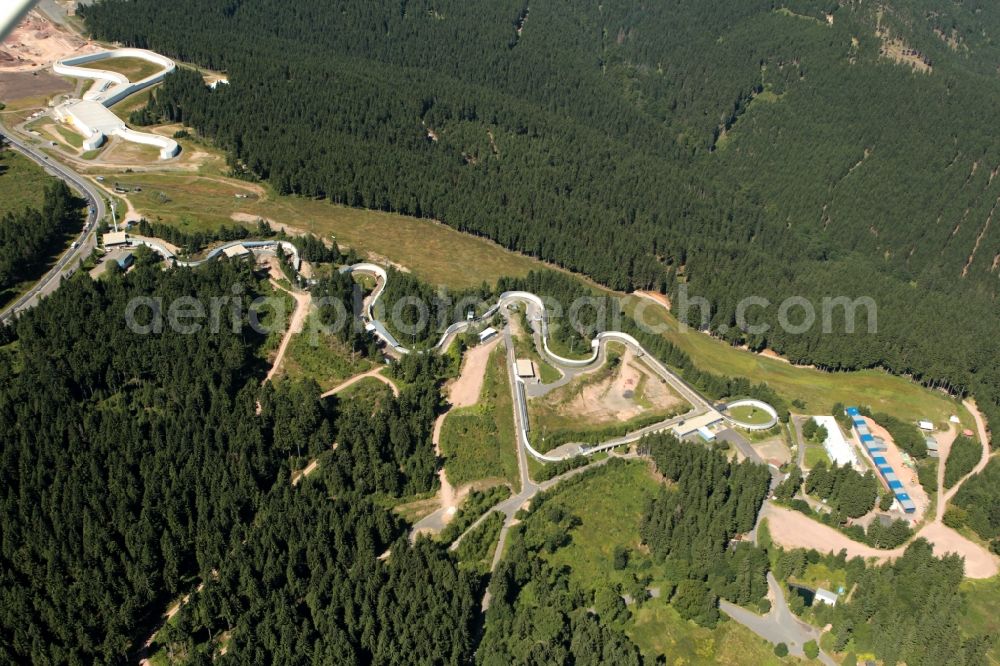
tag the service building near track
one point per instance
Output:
(875, 450)
(92, 116)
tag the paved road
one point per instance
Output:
(86, 242)
(779, 625)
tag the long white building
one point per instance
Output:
(836, 445)
(91, 115)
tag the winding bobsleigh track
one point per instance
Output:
(536, 306)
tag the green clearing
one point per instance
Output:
(821, 575)
(322, 357)
(368, 389)
(71, 137)
(817, 389)
(610, 505)
(982, 615)
(814, 454)
(749, 414)
(477, 442)
(432, 251)
(134, 69)
(22, 182)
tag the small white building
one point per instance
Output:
(925, 425)
(487, 334)
(115, 239)
(826, 596)
(694, 425)
(525, 368)
(236, 251)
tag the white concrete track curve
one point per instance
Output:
(111, 87)
(267, 244)
(699, 404)
(92, 116)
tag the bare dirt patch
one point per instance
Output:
(906, 474)
(979, 563)
(774, 451)
(612, 395)
(897, 50)
(792, 529)
(464, 391)
(18, 85)
(37, 43)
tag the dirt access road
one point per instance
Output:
(375, 373)
(295, 325)
(463, 392)
(792, 529)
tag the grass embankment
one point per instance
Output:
(441, 255)
(750, 415)
(323, 357)
(594, 406)
(134, 69)
(478, 442)
(22, 183)
(817, 389)
(434, 252)
(610, 505)
(132, 103)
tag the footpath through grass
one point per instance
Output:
(478, 442)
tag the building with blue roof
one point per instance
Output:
(873, 446)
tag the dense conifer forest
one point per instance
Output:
(918, 626)
(799, 147)
(32, 237)
(766, 147)
(136, 465)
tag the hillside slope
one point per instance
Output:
(814, 149)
